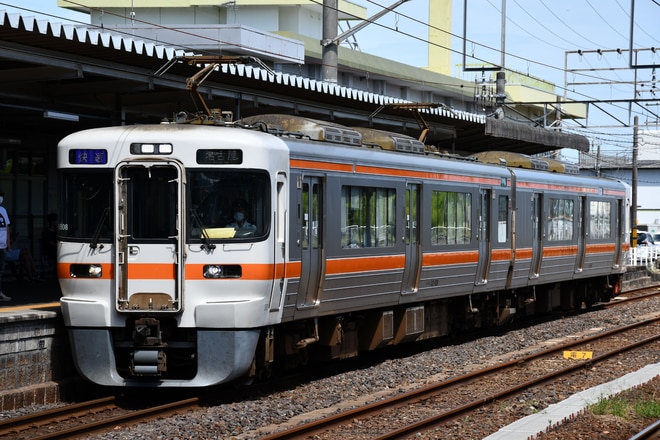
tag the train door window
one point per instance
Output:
(412, 214)
(560, 224)
(310, 216)
(600, 219)
(152, 196)
(368, 217)
(502, 218)
(451, 217)
(484, 216)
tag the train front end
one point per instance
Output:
(171, 251)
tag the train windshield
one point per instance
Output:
(86, 205)
(229, 205)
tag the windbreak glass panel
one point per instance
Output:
(86, 205)
(229, 204)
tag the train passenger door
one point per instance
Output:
(281, 239)
(149, 228)
(412, 267)
(311, 242)
(617, 215)
(537, 235)
(485, 245)
(582, 234)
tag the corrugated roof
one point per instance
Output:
(92, 47)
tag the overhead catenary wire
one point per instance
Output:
(400, 29)
(594, 74)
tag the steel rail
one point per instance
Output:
(427, 423)
(326, 423)
(16, 425)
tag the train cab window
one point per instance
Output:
(229, 204)
(600, 219)
(86, 205)
(451, 218)
(560, 217)
(368, 217)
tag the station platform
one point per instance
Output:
(23, 292)
(36, 366)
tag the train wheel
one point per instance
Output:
(266, 371)
(303, 356)
(616, 288)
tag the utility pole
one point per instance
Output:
(329, 43)
(331, 40)
(633, 202)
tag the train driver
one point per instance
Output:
(240, 224)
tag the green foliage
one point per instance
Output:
(627, 408)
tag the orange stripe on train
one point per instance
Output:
(524, 253)
(560, 251)
(448, 258)
(340, 265)
(383, 171)
(604, 248)
(425, 175)
(365, 264)
(318, 165)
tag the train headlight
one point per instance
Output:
(222, 271)
(85, 271)
(212, 271)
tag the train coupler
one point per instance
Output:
(148, 362)
(147, 332)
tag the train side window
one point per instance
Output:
(451, 218)
(502, 218)
(368, 217)
(560, 224)
(600, 219)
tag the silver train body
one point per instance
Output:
(357, 241)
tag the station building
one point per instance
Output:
(128, 65)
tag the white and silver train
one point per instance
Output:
(196, 254)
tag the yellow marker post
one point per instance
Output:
(578, 354)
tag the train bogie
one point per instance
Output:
(194, 255)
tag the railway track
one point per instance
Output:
(88, 417)
(429, 402)
(102, 415)
(634, 295)
(652, 432)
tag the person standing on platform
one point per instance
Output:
(5, 243)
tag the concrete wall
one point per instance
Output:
(35, 360)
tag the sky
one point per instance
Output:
(543, 38)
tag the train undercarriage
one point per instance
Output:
(152, 347)
(345, 336)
